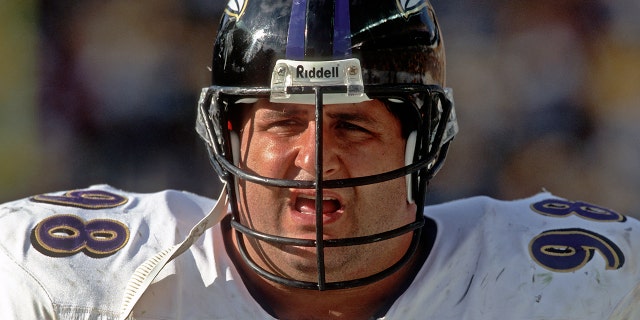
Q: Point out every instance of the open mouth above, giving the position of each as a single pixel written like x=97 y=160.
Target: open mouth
x=307 y=204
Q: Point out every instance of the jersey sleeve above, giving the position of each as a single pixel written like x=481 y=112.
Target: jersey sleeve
x=69 y=255
x=542 y=257
x=21 y=296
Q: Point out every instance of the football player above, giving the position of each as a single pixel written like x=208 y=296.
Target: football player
x=325 y=120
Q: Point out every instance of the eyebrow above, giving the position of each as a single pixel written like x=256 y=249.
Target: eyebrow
x=351 y=116
x=287 y=111
x=273 y=113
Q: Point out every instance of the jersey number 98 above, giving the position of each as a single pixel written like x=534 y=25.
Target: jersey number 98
x=65 y=234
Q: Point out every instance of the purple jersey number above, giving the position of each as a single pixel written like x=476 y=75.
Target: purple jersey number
x=563 y=208
x=86 y=199
x=566 y=250
x=65 y=234
x=68 y=234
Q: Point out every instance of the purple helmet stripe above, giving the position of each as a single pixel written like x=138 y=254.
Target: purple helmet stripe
x=342 y=30
x=301 y=30
x=297 y=30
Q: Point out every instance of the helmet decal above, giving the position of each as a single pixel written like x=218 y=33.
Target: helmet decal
x=302 y=29
x=410 y=7
x=342 y=30
x=235 y=8
x=297 y=30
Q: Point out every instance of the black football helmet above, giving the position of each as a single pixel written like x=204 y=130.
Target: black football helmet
x=322 y=52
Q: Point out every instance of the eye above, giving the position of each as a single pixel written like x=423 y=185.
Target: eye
x=350 y=132
x=283 y=123
x=345 y=125
x=286 y=126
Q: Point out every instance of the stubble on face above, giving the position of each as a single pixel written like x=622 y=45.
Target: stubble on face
x=367 y=209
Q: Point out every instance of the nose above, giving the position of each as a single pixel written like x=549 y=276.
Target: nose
x=306 y=156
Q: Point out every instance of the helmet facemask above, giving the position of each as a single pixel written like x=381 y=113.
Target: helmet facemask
x=322 y=53
x=426 y=149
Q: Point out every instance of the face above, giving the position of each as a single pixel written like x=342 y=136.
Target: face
x=278 y=140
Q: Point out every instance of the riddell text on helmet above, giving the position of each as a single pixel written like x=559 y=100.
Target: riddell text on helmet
x=320 y=73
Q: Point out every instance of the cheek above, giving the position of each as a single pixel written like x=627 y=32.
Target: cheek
x=258 y=205
x=383 y=207
x=392 y=158
x=373 y=160
x=262 y=157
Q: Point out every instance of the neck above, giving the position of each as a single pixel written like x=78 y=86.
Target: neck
x=364 y=302
x=355 y=303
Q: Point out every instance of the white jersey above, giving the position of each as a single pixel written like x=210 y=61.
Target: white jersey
x=70 y=256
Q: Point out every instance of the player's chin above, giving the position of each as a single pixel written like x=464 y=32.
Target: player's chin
x=306 y=258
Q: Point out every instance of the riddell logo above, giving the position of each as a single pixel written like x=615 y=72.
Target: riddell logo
x=316 y=73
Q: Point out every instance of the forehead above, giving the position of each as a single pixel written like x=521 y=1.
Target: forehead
x=374 y=109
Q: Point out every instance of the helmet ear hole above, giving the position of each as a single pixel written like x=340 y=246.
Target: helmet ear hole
x=234 y=140
x=408 y=159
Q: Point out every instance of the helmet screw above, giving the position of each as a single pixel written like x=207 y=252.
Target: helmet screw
x=281 y=71
x=352 y=70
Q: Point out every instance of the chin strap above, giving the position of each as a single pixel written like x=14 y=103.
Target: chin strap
x=147 y=272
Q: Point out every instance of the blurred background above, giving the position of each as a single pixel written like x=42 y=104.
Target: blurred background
x=547 y=95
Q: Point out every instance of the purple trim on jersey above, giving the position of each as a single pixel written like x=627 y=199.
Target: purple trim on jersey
x=297 y=30
x=342 y=30
x=86 y=199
